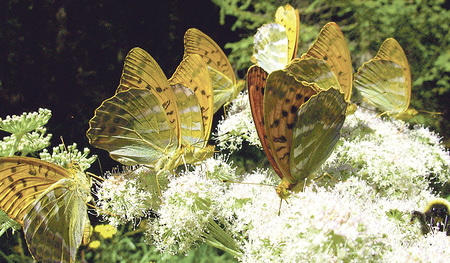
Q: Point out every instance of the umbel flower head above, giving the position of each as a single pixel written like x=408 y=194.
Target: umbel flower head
x=380 y=172
x=26 y=122
x=65 y=156
x=27 y=133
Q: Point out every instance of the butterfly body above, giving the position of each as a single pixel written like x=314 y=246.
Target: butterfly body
x=50 y=203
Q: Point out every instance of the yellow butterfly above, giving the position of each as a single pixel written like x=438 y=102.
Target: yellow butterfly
x=50 y=202
x=275 y=44
x=154 y=121
x=222 y=75
x=385 y=80
x=331 y=47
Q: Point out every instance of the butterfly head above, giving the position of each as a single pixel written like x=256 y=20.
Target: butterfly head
x=286 y=187
x=240 y=85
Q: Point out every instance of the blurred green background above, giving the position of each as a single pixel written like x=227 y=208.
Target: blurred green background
x=67 y=56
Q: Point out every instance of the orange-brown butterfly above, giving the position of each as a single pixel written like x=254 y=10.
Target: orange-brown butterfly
x=224 y=83
x=50 y=202
x=154 y=121
x=385 y=80
x=298 y=123
x=275 y=44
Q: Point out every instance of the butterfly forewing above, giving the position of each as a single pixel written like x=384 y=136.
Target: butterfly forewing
x=54 y=226
x=141 y=71
x=193 y=74
x=222 y=76
x=282 y=98
x=22 y=180
x=271 y=47
x=313 y=70
x=289 y=18
x=197 y=42
x=316 y=132
x=391 y=50
x=332 y=47
x=134 y=128
x=256 y=82
x=382 y=83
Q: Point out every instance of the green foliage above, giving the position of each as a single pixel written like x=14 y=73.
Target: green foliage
x=421 y=27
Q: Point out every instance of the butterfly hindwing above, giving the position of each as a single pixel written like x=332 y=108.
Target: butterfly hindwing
x=134 y=128
x=54 y=203
x=313 y=70
x=283 y=96
x=382 y=83
x=54 y=226
x=271 y=47
x=316 y=131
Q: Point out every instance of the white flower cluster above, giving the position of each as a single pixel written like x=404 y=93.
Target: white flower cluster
x=27 y=133
x=128 y=195
x=237 y=126
x=395 y=159
x=26 y=122
x=64 y=157
x=379 y=173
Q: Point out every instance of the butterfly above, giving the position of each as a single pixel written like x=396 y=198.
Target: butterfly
x=385 y=80
x=154 y=121
x=225 y=86
x=50 y=202
x=331 y=47
x=297 y=122
x=275 y=44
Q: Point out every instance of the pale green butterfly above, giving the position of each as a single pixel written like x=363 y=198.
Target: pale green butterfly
x=50 y=202
x=385 y=80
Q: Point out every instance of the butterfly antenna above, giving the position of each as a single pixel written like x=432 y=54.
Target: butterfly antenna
x=100 y=165
x=431 y=112
x=95 y=176
x=234 y=182
x=65 y=148
x=279 y=208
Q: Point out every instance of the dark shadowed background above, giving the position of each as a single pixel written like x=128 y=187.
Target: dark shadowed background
x=67 y=56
